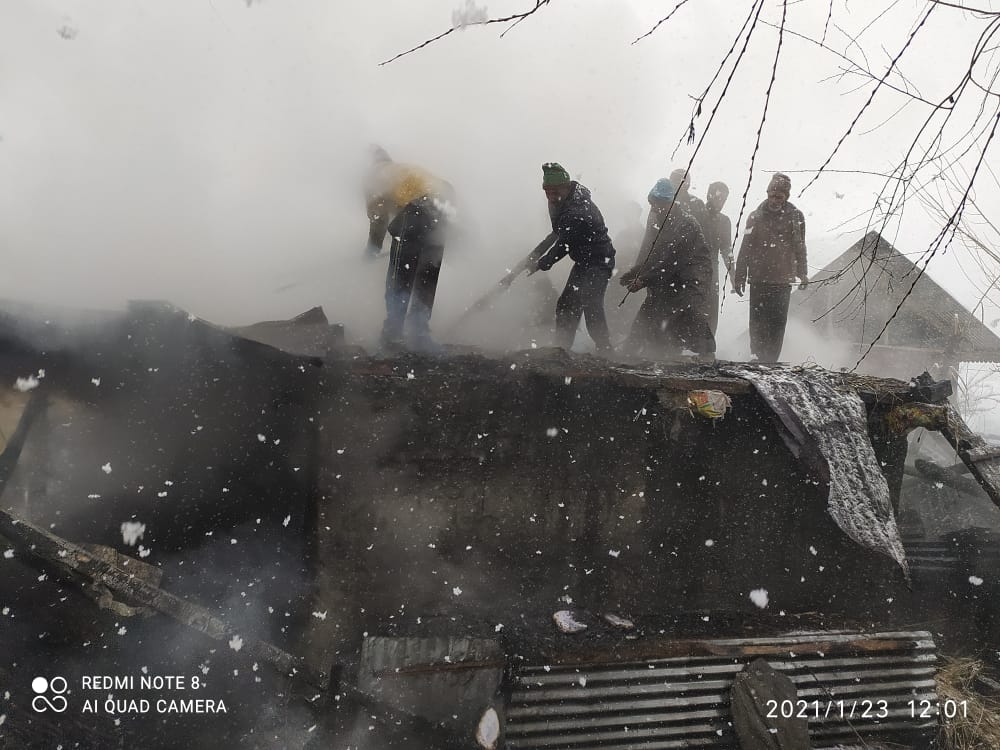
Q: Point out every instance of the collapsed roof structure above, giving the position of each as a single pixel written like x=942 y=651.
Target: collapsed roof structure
x=537 y=549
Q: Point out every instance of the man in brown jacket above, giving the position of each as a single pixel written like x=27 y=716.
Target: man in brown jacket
x=772 y=255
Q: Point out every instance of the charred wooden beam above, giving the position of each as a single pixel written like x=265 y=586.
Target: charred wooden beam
x=75 y=564
x=902 y=419
x=37 y=403
x=830 y=645
x=982 y=458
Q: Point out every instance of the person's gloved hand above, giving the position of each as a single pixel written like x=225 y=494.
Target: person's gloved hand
x=628 y=277
x=804 y=282
x=636 y=284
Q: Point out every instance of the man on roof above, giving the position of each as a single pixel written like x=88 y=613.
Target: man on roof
x=772 y=255
x=578 y=230
x=413 y=207
x=674 y=266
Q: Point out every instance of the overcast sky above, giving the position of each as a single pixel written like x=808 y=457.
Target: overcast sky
x=208 y=151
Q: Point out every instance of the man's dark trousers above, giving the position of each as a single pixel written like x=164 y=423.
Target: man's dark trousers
x=583 y=295
x=412 y=276
x=673 y=317
x=768 y=315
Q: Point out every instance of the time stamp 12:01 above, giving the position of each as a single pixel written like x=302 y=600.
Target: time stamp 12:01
x=865 y=709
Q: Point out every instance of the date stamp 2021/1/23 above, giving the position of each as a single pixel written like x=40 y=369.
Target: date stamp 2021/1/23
x=862 y=709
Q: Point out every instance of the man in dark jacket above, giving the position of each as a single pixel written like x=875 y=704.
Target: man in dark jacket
x=772 y=255
x=719 y=235
x=412 y=206
x=674 y=266
x=578 y=230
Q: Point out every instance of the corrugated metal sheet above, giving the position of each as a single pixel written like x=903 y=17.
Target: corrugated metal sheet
x=683 y=702
x=931 y=559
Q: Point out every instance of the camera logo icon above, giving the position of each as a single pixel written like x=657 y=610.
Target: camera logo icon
x=42 y=702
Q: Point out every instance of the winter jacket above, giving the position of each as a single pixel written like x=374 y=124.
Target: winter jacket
x=696 y=207
x=719 y=234
x=773 y=250
x=391 y=187
x=678 y=253
x=578 y=230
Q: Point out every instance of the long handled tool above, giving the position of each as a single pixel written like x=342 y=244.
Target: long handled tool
x=483 y=302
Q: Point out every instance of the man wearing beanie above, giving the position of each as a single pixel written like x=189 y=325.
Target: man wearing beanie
x=719 y=234
x=674 y=266
x=413 y=206
x=772 y=255
x=578 y=230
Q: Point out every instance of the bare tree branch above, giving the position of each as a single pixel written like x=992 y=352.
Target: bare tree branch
x=515 y=18
x=871 y=97
x=855 y=67
x=661 y=21
x=763 y=119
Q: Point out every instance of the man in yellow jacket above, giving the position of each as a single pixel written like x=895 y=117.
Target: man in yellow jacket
x=413 y=206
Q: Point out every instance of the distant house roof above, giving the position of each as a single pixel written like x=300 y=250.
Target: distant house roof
x=865 y=285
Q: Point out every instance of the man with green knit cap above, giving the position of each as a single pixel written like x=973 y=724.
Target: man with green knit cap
x=578 y=230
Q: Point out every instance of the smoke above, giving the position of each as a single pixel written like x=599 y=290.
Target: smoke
x=220 y=168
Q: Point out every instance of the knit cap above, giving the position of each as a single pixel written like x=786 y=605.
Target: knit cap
x=663 y=190
x=781 y=182
x=554 y=174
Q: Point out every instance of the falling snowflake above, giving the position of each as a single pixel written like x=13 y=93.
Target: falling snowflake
x=286 y=521
x=469 y=14
x=614 y=552
x=106 y=468
x=567 y=623
x=975 y=580
x=488 y=729
x=456 y=591
x=26 y=384
x=132 y=532
x=320 y=615
x=759 y=597
x=235 y=643
x=619 y=622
